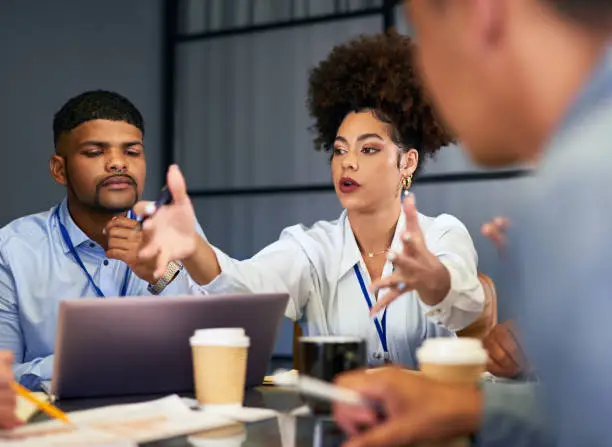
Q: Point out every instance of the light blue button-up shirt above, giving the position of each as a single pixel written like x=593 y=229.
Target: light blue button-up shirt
x=37 y=271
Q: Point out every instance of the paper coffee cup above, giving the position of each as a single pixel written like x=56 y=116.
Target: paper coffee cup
x=219 y=367
x=452 y=360
x=456 y=360
x=230 y=436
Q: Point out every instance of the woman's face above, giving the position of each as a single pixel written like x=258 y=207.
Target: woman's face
x=365 y=167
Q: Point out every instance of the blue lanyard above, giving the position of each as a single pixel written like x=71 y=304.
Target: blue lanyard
x=77 y=258
x=381 y=327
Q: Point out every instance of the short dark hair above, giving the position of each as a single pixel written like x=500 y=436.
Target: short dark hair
x=93 y=105
x=594 y=13
x=375 y=73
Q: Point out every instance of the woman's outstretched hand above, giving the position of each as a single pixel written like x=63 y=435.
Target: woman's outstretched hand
x=416 y=268
x=169 y=234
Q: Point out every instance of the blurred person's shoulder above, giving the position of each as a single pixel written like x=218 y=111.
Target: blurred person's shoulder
x=582 y=153
x=583 y=144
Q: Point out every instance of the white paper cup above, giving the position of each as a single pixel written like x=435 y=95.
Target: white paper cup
x=456 y=360
x=452 y=360
x=219 y=367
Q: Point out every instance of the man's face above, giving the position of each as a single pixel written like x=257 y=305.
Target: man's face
x=462 y=56
x=103 y=165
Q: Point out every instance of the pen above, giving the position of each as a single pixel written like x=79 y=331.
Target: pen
x=318 y=388
x=164 y=198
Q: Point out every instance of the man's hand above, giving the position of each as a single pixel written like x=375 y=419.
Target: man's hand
x=495 y=230
x=124 y=242
x=170 y=234
x=416 y=268
x=8 y=419
x=416 y=409
x=506 y=358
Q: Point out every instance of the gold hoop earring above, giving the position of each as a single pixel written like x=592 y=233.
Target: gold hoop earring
x=407 y=183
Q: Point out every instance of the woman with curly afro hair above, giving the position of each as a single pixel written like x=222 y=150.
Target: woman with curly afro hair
x=371 y=114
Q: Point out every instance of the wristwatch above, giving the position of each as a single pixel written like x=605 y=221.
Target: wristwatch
x=172 y=272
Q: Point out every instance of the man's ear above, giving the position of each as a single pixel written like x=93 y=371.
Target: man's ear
x=57 y=167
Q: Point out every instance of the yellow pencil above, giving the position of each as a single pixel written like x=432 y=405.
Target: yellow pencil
x=48 y=408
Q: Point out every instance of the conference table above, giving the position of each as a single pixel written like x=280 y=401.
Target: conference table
x=309 y=431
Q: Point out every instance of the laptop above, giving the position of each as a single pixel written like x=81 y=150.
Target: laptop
x=140 y=345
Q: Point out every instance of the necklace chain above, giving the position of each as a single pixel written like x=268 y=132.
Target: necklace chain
x=371 y=254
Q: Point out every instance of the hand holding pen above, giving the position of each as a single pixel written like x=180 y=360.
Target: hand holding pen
x=168 y=224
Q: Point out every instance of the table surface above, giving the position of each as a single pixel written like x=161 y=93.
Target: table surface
x=309 y=431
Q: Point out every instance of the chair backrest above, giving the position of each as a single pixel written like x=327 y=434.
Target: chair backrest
x=478 y=329
x=488 y=318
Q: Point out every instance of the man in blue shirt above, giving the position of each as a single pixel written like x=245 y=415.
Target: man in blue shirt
x=527 y=82
x=87 y=246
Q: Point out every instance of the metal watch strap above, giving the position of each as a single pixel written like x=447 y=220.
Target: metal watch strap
x=172 y=272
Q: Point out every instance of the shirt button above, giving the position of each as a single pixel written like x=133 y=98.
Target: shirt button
x=92 y=245
x=106 y=262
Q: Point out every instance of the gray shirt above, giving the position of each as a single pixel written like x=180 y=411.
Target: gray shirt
x=562 y=253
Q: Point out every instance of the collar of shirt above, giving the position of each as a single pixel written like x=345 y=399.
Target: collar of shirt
x=77 y=236
x=596 y=90
x=351 y=254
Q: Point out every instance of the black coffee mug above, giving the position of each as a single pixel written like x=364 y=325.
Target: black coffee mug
x=325 y=357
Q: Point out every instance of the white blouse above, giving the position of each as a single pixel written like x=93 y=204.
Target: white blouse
x=315 y=266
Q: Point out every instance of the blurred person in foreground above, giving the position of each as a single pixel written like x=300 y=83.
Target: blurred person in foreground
x=523 y=81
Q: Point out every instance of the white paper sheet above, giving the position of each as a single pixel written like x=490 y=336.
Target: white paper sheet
x=242 y=414
x=117 y=425
x=25 y=409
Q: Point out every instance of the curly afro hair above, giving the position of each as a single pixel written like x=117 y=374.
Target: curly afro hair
x=374 y=73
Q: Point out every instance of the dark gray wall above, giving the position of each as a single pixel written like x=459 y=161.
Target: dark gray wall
x=52 y=50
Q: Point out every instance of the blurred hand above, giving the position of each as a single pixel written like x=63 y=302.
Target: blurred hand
x=506 y=358
x=416 y=268
x=496 y=230
x=416 y=409
x=8 y=419
x=170 y=234
x=124 y=240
